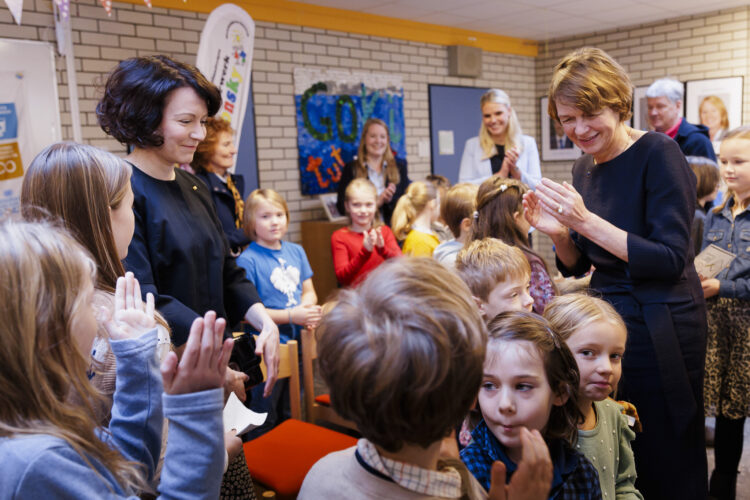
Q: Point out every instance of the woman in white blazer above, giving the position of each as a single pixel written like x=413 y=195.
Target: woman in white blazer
x=501 y=148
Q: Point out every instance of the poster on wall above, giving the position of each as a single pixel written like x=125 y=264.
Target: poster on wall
x=332 y=106
x=715 y=103
x=225 y=57
x=11 y=167
x=29 y=113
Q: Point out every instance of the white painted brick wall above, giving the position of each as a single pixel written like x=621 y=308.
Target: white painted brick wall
x=706 y=46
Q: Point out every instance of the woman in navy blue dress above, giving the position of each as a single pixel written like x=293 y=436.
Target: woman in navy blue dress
x=629 y=213
x=178 y=252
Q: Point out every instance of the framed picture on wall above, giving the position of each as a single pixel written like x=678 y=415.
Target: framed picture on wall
x=328 y=201
x=640 y=108
x=704 y=100
x=555 y=144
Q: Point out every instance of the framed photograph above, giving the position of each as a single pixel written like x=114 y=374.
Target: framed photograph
x=640 y=109
x=555 y=144
x=718 y=93
x=328 y=201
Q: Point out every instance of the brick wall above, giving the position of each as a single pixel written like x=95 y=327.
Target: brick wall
x=100 y=42
x=693 y=47
x=713 y=45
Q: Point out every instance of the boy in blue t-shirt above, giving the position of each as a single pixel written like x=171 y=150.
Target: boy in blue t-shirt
x=282 y=275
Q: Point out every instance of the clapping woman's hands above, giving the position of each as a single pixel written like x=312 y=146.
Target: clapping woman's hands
x=130 y=318
x=563 y=202
x=539 y=217
x=203 y=363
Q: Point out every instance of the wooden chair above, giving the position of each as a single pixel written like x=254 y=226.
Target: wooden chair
x=281 y=458
x=317 y=407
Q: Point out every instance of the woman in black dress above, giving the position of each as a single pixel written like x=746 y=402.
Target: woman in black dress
x=628 y=213
x=178 y=252
x=211 y=162
x=375 y=161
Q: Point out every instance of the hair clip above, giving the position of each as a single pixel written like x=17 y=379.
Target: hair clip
x=554 y=337
x=503 y=187
x=476 y=215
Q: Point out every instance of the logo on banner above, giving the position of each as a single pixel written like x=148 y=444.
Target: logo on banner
x=10 y=161
x=225 y=57
x=8 y=121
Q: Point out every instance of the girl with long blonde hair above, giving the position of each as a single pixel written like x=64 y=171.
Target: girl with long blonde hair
x=51 y=445
x=412 y=220
x=375 y=161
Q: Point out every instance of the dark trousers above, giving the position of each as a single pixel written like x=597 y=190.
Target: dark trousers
x=663 y=377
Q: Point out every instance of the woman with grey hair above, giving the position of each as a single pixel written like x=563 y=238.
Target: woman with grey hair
x=500 y=149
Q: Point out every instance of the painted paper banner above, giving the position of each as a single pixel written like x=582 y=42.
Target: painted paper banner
x=16 y=9
x=11 y=167
x=332 y=107
x=225 y=57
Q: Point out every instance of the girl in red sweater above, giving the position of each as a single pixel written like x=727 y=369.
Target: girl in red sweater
x=366 y=242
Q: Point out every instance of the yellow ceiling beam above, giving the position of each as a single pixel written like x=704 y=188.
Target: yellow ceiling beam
x=314 y=16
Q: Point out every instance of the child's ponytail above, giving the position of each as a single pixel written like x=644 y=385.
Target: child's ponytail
x=410 y=205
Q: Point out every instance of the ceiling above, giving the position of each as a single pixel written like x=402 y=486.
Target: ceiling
x=532 y=19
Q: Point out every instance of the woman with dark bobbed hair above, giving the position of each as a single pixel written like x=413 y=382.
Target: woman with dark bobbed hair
x=159 y=106
x=211 y=162
x=628 y=213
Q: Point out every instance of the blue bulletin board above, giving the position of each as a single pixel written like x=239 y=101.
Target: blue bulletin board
x=455 y=110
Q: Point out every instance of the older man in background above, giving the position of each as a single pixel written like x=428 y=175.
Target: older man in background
x=665 y=98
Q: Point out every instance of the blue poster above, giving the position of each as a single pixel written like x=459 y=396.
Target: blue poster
x=330 y=116
x=8 y=121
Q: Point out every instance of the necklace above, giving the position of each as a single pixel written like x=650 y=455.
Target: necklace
x=628 y=143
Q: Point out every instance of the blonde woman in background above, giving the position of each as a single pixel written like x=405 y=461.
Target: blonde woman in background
x=714 y=115
x=501 y=148
x=375 y=161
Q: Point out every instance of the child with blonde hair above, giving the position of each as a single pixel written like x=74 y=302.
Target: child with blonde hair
x=281 y=273
x=596 y=335
x=456 y=210
x=727 y=376
x=500 y=214
x=52 y=446
x=413 y=217
x=58 y=178
x=530 y=382
x=402 y=355
x=366 y=243
x=497 y=275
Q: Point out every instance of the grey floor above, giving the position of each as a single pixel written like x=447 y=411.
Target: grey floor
x=743 y=480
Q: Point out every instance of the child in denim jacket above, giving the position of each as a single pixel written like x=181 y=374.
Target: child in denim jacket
x=728 y=352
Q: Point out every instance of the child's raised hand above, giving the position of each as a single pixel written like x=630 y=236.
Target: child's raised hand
x=369 y=240
x=379 y=241
x=533 y=478
x=130 y=318
x=204 y=361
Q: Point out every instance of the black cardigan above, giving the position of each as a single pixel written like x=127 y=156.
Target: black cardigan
x=180 y=254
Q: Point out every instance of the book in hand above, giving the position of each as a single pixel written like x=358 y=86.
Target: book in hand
x=238 y=417
x=712 y=260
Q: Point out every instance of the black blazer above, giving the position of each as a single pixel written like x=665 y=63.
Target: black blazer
x=386 y=211
x=224 y=202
